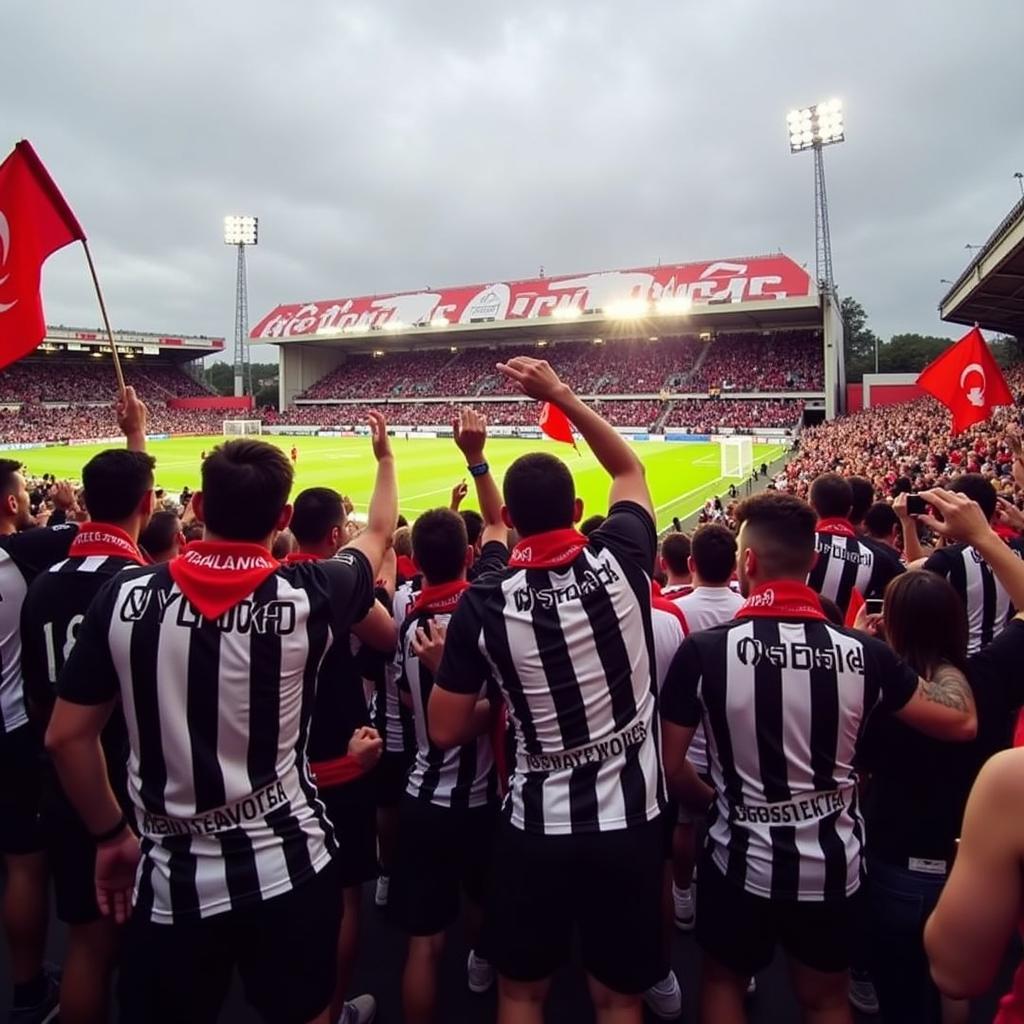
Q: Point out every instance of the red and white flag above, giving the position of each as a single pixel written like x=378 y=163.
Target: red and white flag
x=35 y=221
x=967 y=380
x=556 y=424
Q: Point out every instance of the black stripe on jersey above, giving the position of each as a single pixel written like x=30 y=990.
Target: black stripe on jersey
x=715 y=697
x=816 y=577
x=264 y=697
x=570 y=712
x=988 y=605
x=958 y=576
x=640 y=584
x=240 y=873
x=143 y=650
x=144 y=896
x=768 y=714
x=823 y=740
x=203 y=710
x=181 y=870
x=848 y=577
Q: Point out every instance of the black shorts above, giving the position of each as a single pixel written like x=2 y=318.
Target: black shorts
x=442 y=853
x=391 y=775
x=606 y=885
x=352 y=810
x=21 y=772
x=284 y=950
x=71 y=852
x=741 y=930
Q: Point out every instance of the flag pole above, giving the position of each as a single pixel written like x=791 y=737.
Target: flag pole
x=106 y=319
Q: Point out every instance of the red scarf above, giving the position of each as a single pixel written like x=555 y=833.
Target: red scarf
x=782 y=599
x=406 y=568
x=300 y=556
x=441 y=599
x=215 y=576
x=104 y=541
x=837 y=526
x=548 y=550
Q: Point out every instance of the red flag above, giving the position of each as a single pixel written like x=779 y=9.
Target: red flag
x=854 y=607
x=966 y=379
x=556 y=424
x=35 y=222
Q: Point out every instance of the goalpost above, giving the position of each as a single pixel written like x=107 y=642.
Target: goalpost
x=242 y=428
x=737 y=456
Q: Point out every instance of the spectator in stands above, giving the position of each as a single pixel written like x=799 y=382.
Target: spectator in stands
x=882 y=525
x=674 y=561
x=162 y=539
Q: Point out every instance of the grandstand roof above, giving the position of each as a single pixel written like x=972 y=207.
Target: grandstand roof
x=990 y=291
x=742 y=294
x=179 y=347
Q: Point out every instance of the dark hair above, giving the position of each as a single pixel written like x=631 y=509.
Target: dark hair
x=863 y=491
x=832 y=611
x=831 y=496
x=780 y=530
x=675 y=549
x=8 y=467
x=315 y=512
x=714 y=553
x=245 y=488
x=539 y=493
x=925 y=622
x=439 y=545
x=160 y=533
x=115 y=481
x=474 y=524
x=979 y=490
x=402 y=521
x=881 y=519
x=591 y=523
x=903 y=485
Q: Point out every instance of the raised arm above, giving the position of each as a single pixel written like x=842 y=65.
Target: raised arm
x=132 y=417
x=382 y=516
x=912 y=549
x=963 y=520
x=470 y=431
x=536 y=378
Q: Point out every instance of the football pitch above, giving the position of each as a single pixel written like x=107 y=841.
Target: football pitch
x=682 y=476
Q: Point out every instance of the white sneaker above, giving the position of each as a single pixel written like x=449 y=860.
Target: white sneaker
x=380 y=896
x=479 y=973
x=361 y=1010
x=862 y=994
x=665 y=1000
x=684 y=908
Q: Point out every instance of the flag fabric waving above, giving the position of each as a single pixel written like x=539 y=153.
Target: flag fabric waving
x=556 y=424
x=35 y=221
x=966 y=379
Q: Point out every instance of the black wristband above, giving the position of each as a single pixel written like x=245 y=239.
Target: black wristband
x=480 y=469
x=111 y=833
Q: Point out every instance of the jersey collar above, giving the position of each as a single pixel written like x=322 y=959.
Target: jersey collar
x=103 y=540
x=837 y=526
x=440 y=599
x=549 y=550
x=782 y=599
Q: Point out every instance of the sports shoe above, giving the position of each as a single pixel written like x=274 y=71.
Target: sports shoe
x=380 y=896
x=665 y=1000
x=479 y=973
x=47 y=1008
x=862 y=994
x=360 y=1010
x=684 y=908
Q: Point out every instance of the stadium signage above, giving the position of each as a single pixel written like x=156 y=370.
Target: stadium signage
x=632 y=292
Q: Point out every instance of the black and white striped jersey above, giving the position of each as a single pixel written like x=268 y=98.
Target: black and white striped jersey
x=847 y=563
x=391 y=718
x=985 y=599
x=22 y=557
x=463 y=776
x=566 y=632
x=218 y=710
x=783 y=699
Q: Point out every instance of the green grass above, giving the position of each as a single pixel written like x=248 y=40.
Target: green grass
x=681 y=476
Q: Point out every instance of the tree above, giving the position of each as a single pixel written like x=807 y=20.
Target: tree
x=221 y=377
x=859 y=340
x=910 y=353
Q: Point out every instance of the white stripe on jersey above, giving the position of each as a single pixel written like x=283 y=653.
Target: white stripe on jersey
x=12 y=690
x=993 y=607
x=393 y=719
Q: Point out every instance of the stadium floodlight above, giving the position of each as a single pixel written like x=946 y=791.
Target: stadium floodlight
x=814 y=128
x=627 y=309
x=440 y=321
x=567 y=312
x=241 y=230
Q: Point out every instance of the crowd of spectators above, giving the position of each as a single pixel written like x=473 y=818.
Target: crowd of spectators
x=707 y=416
x=33 y=423
x=57 y=379
x=762 y=362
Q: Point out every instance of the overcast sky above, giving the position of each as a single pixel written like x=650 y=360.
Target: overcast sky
x=396 y=144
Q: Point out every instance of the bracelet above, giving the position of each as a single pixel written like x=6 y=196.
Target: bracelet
x=480 y=469
x=111 y=833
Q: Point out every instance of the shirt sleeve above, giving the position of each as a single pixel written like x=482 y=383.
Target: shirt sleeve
x=629 y=533
x=463 y=667
x=351 y=586
x=680 y=703
x=938 y=562
x=38 y=688
x=894 y=678
x=89 y=675
x=36 y=550
x=493 y=558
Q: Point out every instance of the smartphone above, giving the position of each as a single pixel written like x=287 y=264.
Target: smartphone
x=916 y=505
x=874 y=605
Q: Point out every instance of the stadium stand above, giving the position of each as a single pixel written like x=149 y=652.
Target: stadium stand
x=53 y=380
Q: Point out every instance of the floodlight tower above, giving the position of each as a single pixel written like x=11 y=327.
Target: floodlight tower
x=240 y=232
x=814 y=128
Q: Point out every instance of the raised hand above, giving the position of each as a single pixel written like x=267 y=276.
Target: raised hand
x=132 y=415
x=962 y=518
x=470 y=431
x=430 y=649
x=379 y=436
x=63 y=495
x=534 y=377
x=459 y=492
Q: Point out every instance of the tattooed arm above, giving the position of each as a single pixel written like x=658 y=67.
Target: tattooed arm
x=942 y=706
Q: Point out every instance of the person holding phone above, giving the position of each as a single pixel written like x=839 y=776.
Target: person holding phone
x=917 y=786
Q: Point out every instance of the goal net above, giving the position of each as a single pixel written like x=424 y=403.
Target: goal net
x=737 y=457
x=242 y=428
